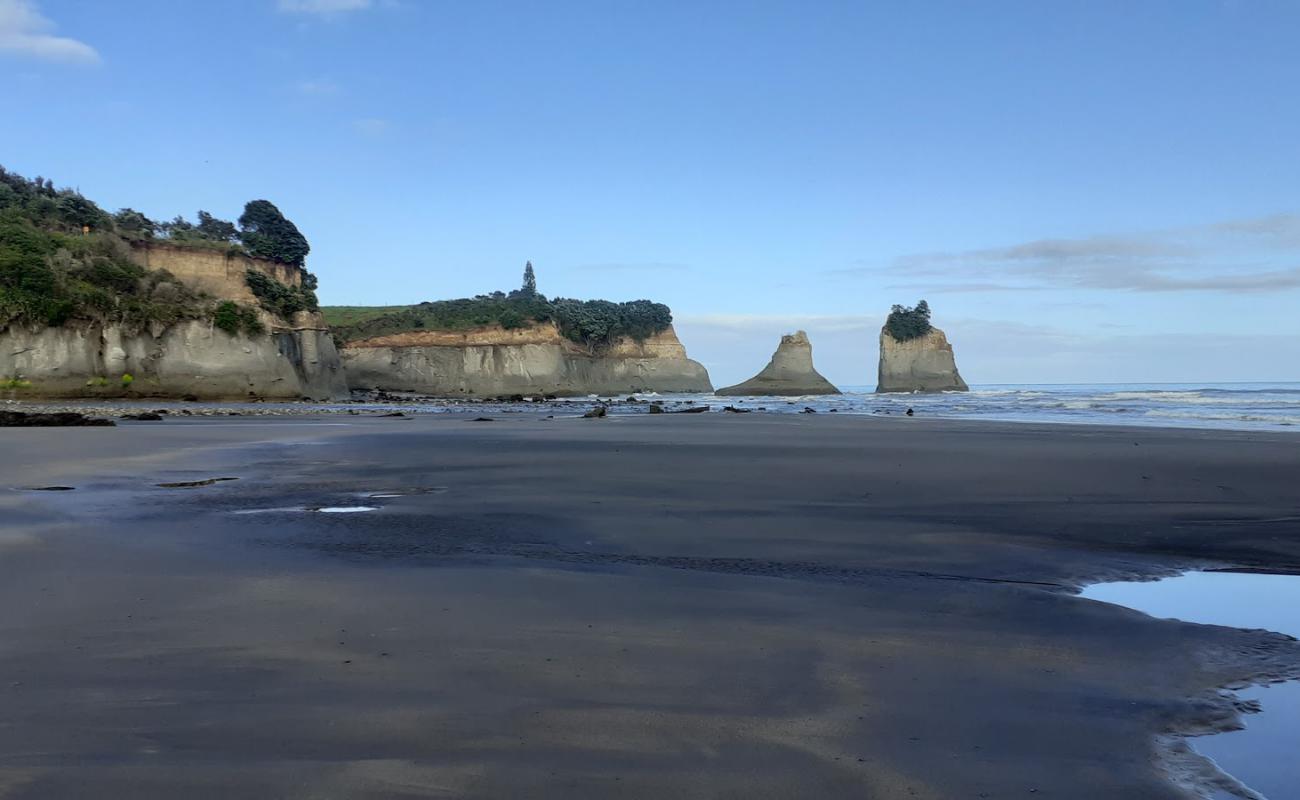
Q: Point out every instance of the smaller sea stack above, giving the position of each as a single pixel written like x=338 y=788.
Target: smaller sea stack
x=789 y=373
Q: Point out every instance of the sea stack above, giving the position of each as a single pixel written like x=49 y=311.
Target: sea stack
x=790 y=372
x=915 y=356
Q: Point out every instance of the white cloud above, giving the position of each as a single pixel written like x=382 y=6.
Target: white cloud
x=1250 y=255
x=24 y=31
x=323 y=7
x=371 y=127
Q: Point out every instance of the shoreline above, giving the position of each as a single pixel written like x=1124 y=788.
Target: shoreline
x=949 y=573
x=573 y=406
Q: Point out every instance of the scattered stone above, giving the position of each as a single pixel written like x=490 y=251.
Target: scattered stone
x=656 y=409
x=691 y=410
x=735 y=410
x=482 y=419
x=393 y=414
x=596 y=413
x=144 y=416
x=808 y=410
x=19 y=419
x=194 y=484
x=911 y=413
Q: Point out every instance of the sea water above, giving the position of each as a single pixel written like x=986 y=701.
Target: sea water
x=1234 y=406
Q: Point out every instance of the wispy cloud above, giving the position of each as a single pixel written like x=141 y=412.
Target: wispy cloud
x=371 y=126
x=317 y=88
x=1250 y=255
x=324 y=8
x=24 y=31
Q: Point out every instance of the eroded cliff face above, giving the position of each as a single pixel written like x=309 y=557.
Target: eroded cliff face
x=188 y=358
x=490 y=362
x=219 y=273
x=923 y=364
x=789 y=373
x=294 y=359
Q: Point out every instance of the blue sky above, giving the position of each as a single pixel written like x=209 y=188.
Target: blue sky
x=1099 y=191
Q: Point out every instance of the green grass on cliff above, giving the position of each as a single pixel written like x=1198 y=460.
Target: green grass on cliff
x=343 y=316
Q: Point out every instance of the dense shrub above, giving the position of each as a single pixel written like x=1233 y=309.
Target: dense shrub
x=234 y=318
x=909 y=323
x=592 y=323
x=64 y=258
x=263 y=231
x=279 y=299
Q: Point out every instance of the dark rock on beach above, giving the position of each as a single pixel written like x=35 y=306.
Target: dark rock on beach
x=64 y=419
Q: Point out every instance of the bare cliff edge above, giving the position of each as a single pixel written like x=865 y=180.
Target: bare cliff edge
x=490 y=362
x=789 y=373
x=923 y=364
x=293 y=359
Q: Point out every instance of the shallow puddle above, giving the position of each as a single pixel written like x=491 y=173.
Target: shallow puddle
x=306 y=509
x=1263 y=756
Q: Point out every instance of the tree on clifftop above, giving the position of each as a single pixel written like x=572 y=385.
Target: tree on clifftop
x=909 y=323
x=530 y=280
x=267 y=234
x=218 y=230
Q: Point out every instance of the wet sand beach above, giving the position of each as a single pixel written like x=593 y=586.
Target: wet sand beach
x=637 y=606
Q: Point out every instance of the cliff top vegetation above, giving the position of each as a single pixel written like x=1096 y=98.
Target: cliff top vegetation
x=62 y=257
x=591 y=323
x=909 y=323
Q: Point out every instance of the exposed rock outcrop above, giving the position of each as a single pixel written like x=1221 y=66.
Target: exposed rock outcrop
x=219 y=273
x=293 y=359
x=63 y=419
x=490 y=362
x=187 y=358
x=923 y=364
x=789 y=373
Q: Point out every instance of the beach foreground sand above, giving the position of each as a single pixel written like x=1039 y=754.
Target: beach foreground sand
x=654 y=606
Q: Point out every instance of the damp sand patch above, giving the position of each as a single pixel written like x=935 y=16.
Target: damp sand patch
x=193 y=484
x=414 y=492
x=306 y=510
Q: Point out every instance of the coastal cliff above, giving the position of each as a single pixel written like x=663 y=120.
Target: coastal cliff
x=493 y=361
x=94 y=304
x=188 y=358
x=274 y=358
x=789 y=373
x=921 y=364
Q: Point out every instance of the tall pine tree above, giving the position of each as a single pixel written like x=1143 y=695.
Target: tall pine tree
x=530 y=281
